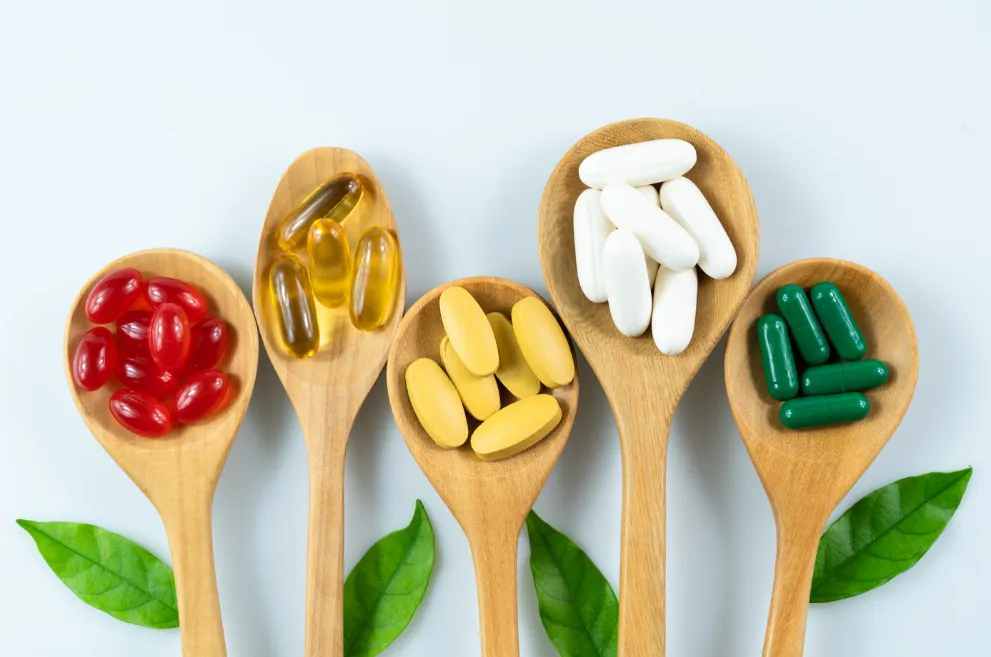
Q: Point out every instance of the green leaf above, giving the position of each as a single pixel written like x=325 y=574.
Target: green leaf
x=578 y=608
x=385 y=588
x=885 y=534
x=109 y=572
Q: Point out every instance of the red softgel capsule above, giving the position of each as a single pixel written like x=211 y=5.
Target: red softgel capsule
x=203 y=394
x=209 y=342
x=140 y=413
x=113 y=295
x=170 y=290
x=140 y=372
x=169 y=336
x=95 y=358
x=132 y=331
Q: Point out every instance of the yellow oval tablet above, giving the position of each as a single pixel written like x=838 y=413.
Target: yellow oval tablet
x=469 y=331
x=513 y=371
x=520 y=425
x=479 y=394
x=436 y=403
x=543 y=342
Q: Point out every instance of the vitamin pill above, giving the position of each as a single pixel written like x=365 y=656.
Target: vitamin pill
x=479 y=394
x=627 y=285
x=203 y=394
x=806 y=412
x=113 y=295
x=207 y=344
x=844 y=377
x=649 y=192
x=515 y=428
x=140 y=413
x=514 y=372
x=804 y=326
x=294 y=307
x=132 y=331
x=660 y=236
x=169 y=290
x=780 y=373
x=436 y=403
x=469 y=331
x=542 y=342
x=591 y=230
x=673 y=319
x=169 y=336
x=838 y=322
x=95 y=358
x=684 y=202
x=639 y=164
x=140 y=372
x=330 y=262
x=334 y=199
x=374 y=279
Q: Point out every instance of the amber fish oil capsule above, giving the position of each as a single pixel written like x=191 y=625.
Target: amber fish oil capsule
x=780 y=373
x=837 y=320
x=804 y=326
x=333 y=199
x=844 y=377
x=294 y=307
x=330 y=262
x=374 y=279
x=808 y=412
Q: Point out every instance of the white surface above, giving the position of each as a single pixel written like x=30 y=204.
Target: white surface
x=126 y=125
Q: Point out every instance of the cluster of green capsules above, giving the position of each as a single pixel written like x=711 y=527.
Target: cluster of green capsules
x=831 y=392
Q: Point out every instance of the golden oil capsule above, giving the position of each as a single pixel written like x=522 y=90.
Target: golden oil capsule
x=294 y=307
x=374 y=279
x=330 y=262
x=333 y=199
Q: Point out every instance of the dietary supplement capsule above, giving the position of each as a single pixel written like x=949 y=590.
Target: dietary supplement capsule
x=203 y=394
x=329 y=258
x=660 y=236
x=804 y=326
x=170 y=290
x=113 y=295
x=139 y=372
x=517 y=427
x=591 y=230
x=95 y=358
x=807 y=412
x=334 y=199
x=780 y=373
x=132 y=331
x=638 y=164
x=169 y=336
x=479 y=394
x=543 y=343
x=513 y=370
x=685 y=203
x=627 y=285
x=838 y=321
x=140 y=413
x=294 y=307
x=436 y=403
x=469 y=331
x=675 y=301
x=374 y=279
x=844 y=377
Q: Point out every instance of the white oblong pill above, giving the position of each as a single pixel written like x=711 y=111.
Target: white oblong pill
x=591 y=229
x=627 y=286
x=650 y=193
x=675 y=302
x=660 y=236
x=645 y=163
x=686 y=204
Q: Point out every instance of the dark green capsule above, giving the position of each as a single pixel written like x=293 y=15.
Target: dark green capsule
x=780 y=373
x=844 y=377
x=807 y=412
x=804 y=326
x=838 y=321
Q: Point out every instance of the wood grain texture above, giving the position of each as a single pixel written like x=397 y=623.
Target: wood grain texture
x=179 y=472
x=642 y=385
x=328 y=389
x=489 y=499
x=807 y=473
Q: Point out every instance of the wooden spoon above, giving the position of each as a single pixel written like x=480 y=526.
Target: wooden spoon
x=807 y=473
x=179 y=472
x=642 y=385
x=328 y=389
x=489 y=499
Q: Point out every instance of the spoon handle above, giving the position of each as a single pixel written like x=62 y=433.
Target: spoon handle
x=187 y=516
x=798 y=541
x=494 y=552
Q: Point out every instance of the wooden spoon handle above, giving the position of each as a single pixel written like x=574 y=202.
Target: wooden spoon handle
x=187 y=518
x=494 y=553
x=798 y=541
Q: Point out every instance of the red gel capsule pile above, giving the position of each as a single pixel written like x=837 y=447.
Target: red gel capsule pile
x=164 y=358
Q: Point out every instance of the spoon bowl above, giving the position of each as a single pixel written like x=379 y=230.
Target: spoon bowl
x=179 y=472
x=327 y=389
x=807 y=473
x=642 y=385
x=490 y=499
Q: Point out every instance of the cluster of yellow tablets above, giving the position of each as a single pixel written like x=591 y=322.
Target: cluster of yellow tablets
x=480 y=351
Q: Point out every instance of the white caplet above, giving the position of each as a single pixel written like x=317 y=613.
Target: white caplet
x=675 y=302
x=660 y=236
x=645 y=163
x=627 y=286
x=591 y=229
x=686 y=204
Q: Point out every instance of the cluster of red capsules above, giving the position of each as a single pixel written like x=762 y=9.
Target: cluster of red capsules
x=163 y=352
